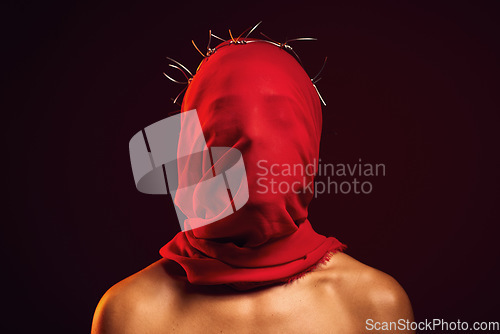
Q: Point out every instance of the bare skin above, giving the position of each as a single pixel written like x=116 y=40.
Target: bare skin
x=337 y=297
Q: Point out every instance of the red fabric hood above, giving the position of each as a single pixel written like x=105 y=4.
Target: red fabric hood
x=255 y=97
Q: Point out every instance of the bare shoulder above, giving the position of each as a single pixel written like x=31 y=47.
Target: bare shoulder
x=136 y=302
x=368 y=292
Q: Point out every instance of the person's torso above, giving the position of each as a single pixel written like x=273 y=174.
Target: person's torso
x=312 y=304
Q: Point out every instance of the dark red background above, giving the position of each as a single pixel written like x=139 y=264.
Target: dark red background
x=412 y=85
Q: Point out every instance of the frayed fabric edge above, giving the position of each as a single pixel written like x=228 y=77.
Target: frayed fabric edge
x=245 y=286
x=327 y=257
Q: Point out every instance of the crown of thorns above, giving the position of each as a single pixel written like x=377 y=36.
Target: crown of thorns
x=239 y=40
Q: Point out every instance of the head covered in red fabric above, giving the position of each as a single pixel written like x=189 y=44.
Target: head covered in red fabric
x=255 y=97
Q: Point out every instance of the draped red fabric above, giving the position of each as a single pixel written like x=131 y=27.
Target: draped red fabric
x=257 y=98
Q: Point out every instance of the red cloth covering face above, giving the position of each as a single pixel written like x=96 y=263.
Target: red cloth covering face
x=257 y=98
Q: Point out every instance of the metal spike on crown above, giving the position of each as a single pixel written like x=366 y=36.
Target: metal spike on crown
x=239 y=40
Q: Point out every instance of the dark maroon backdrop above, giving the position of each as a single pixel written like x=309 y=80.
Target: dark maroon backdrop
x=412 y=85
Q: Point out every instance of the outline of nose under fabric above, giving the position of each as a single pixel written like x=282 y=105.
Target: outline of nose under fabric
x=171 y=157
